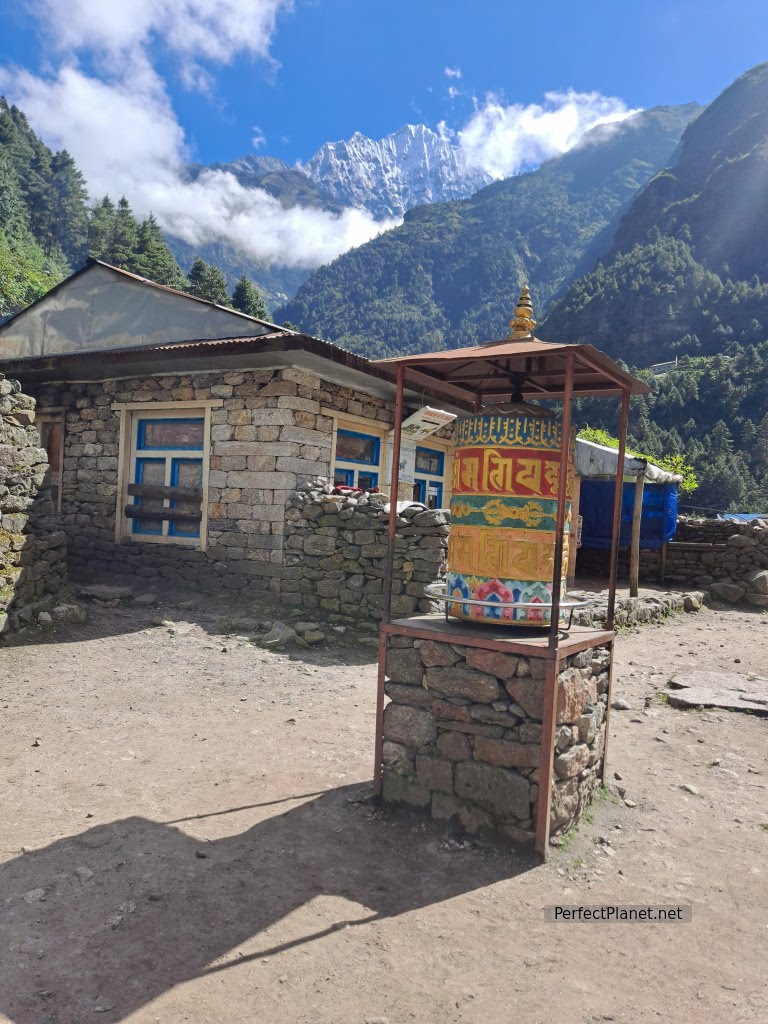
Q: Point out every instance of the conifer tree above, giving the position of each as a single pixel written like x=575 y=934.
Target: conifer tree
x=124 y=237
x=153 y=259
x=101 y=227
x=208 y=282
x=248 y=299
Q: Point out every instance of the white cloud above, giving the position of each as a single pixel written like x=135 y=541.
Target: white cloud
x=126 y=139
x=214 y=30
x=504 y=139
x=453 y=92
x=258 y=139
x=453 y=72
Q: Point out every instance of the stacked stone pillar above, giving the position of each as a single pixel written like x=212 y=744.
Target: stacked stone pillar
x=463 y=727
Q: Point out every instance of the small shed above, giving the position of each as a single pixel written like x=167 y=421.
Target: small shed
x=648 y=506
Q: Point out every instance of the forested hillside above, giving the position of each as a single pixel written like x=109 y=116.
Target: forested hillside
x=451 y=274
x=48 y=228
x=687 y=273
x=713 y=411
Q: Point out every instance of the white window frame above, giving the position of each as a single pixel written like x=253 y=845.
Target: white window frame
x=130 y=414
x=358 y=425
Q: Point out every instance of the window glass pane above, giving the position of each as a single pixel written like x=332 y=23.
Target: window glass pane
x=171 y=433
x=186 y=473
x=150 y=472
x=366 y=480
x=352 y=447
x=429 y=461
x=344 y=477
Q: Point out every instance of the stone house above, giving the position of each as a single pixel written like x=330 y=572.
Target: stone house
x=177 y=430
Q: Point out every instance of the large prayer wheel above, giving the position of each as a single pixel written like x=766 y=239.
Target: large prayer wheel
x=506 y=479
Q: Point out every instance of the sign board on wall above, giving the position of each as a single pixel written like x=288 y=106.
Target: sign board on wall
x=416 y=428
x=425 y=422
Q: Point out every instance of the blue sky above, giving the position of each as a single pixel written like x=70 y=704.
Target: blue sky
x=135 y=90
x=343 y=65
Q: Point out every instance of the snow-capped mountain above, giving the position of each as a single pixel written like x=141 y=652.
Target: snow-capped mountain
x=412 y=166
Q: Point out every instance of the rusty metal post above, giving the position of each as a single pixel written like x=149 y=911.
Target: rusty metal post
x=609 y=698
x=547 y=753
x=565 y=445
x=617 y=496
x=379 y=742
x=390 y=568
x=552 y=664
x=393 y=489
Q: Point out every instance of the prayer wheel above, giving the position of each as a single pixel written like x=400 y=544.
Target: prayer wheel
x=506 y=479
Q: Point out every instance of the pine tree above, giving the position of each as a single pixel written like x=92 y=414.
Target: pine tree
x=248 y=299
x=208 y=282
x=67 y=229
x=101 y=229
x=153 y=259
x=125 y=236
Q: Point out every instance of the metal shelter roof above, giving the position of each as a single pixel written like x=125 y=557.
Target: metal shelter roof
x=598 y=460
x=490 y=373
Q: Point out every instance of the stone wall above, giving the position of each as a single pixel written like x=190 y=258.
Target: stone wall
x=729 y=559
x=33 y=573
x=462 y=735
x=336 y=549
x=268 y=437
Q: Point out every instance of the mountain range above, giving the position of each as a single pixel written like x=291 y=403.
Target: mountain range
x=451 y=274
x=387 y=177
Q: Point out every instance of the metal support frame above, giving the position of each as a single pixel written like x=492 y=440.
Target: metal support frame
x=552 y=652
x=617 y=495
x=552 y=665
x=394 y=487
x=634 y=544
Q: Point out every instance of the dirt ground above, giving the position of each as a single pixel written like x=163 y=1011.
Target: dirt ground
x=182 y=841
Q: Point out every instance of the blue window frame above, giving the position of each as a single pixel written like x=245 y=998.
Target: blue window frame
x=344 y=477
x=176 y=444
x=430 y=461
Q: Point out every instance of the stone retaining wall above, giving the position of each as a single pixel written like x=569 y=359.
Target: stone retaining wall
x=336 y=549
x=462 y=735
x=33 y=573
x=729 y=559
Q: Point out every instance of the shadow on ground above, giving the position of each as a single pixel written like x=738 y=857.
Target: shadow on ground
x=110 y=919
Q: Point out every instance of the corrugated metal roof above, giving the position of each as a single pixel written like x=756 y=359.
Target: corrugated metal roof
x=489 y=371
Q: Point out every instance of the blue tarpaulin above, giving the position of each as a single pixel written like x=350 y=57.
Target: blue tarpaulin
x=657 y=524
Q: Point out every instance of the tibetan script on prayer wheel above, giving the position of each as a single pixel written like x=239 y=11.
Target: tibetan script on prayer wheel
x=506 y=480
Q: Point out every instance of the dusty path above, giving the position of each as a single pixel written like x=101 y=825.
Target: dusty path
x=181 y=845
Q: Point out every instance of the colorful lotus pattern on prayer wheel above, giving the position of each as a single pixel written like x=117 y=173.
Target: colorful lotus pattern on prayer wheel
x=506 y=478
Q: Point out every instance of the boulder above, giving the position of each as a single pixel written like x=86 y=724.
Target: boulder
x=413 y=727
x=106 y=592
x=463 y=682
x=758 y=581
x=72 y=613
x=404 y=665
x=569 y=764
x=503 y=666
x=277 y=636
x=506 y=753
x=501 y=792
x=730 y=592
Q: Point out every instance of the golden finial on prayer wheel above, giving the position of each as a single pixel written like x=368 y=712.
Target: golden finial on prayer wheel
x=522 y=323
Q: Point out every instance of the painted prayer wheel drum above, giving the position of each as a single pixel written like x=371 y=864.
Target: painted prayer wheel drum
x=506 y=478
